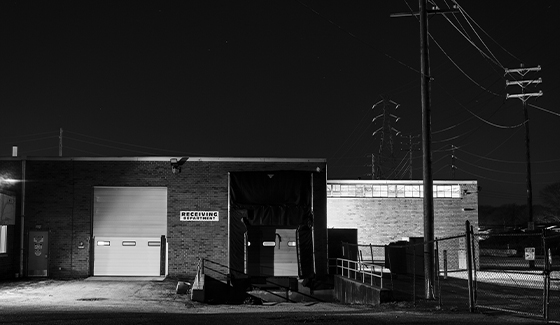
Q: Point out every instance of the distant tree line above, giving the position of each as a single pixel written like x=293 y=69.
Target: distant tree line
x=510 y=216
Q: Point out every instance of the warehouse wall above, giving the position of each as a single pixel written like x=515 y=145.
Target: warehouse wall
x=383 y=220
x=10 y=261
x=59 y=199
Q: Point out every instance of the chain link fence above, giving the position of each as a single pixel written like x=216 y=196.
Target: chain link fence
x=405 y=260
x=515 y=272
x=518 y=273
x=507 y=278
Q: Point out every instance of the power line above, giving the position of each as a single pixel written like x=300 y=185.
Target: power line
x=84 y=151
x=473 y=44
x=489 y=178
x=473 y=99
x=461 y=70
x=482 y=119
x=357 y=38
x=478 y=36
x=507 y=161
x=29 y=135
x=464 y=13
x=544 y=110
x=31 y=140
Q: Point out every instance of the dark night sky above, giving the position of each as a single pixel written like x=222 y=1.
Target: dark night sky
x=281 y=79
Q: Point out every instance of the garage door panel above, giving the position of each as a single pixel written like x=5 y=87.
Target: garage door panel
x=117 y=259
x=137 y=211
x=128 y=223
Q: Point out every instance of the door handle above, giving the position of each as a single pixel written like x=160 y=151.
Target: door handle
x=279 y=240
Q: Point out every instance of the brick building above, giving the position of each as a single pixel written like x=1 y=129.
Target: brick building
x=385 y=211
x=159 y=215
x=84 y=216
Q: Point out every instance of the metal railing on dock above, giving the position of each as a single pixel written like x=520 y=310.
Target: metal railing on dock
x=362 y=271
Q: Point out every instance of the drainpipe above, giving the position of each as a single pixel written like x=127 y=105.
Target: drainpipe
x=22 y=232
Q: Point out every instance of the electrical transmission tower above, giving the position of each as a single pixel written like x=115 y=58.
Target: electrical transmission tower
x=524 y=97
x=383 y=164
x=411 y=147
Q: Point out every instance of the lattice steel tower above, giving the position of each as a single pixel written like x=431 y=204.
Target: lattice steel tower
x=385 y=162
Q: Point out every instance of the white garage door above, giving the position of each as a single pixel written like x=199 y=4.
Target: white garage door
x=128 y=223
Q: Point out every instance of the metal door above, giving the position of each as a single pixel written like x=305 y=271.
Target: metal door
x=38 y=253
x=285 y=253
x=271 y=252
x=260 y=251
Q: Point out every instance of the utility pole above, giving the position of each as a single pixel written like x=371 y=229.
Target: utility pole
x=429 y=258
x=524 y=97
x=453 y=158
x=427 y=155
x=372 y=165
x=60 y=143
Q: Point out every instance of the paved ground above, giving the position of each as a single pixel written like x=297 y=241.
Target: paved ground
x=155 y=302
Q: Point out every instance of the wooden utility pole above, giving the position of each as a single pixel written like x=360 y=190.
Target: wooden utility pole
x=427 y=155
x=372 y=165
x=453 y=158
x=524 y=97
x=60 y=143
x=429 y=258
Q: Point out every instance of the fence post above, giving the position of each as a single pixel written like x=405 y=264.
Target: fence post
x=414 y=275
x=546 y=275
x=469 y=265
x=474 y=266
x=436 y=263
x=445 y=264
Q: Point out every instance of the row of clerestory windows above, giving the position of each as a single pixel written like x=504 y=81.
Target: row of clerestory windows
x=391 y=190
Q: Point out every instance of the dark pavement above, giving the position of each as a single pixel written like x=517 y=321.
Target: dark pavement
x=137 y=301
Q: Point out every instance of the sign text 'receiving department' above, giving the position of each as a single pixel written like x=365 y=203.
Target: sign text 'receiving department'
x=199 y=216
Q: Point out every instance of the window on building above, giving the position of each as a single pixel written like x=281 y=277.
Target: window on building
x=455 y=191
x=391 y=190
x=360 y=191
x=401 y=190
x=336 y=190
x=3 y=239
x=367 y=191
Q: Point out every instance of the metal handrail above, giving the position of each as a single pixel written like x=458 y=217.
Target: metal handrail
x=351 y=269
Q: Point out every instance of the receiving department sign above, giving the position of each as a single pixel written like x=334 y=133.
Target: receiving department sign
x=199 y=216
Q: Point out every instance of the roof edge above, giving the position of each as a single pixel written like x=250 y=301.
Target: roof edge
x=168 y=158
x=397 y=182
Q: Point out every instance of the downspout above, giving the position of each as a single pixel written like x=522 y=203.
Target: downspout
x=22 y=230
x=313 y=227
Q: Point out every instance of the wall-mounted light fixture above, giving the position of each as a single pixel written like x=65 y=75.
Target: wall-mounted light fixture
x=176 y=164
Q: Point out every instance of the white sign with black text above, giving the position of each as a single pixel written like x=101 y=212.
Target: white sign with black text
x=199 y=216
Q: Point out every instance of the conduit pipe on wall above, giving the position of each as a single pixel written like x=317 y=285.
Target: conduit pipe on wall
x=22 y=229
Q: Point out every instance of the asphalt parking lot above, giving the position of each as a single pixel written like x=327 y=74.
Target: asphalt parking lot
x=141 y=301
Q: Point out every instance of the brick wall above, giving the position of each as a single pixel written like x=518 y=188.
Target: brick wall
x=383 y=220
x=10 y=261
x=59 y=199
